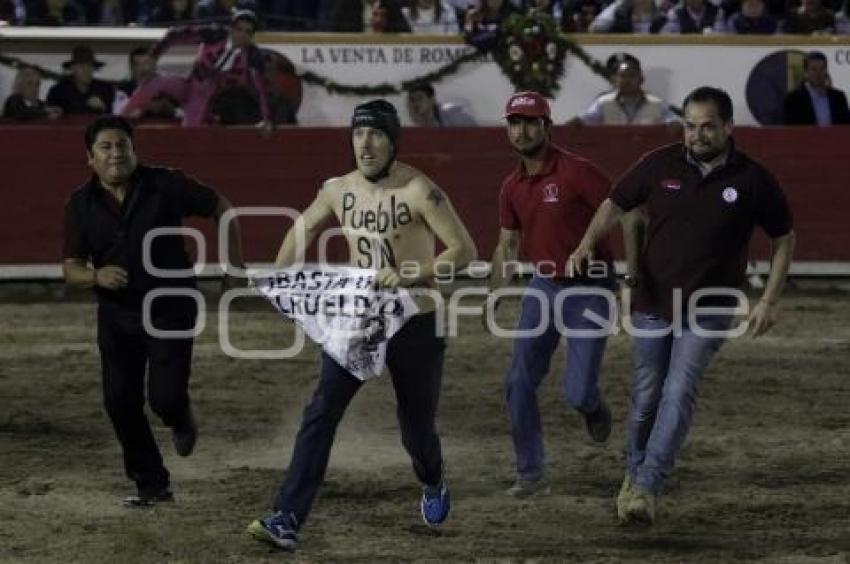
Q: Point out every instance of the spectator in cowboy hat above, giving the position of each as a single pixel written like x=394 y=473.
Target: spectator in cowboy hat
x=80 y=92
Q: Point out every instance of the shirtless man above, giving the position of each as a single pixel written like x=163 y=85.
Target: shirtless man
x=390 y=214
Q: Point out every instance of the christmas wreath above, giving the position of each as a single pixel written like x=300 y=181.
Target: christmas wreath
x=531 y=52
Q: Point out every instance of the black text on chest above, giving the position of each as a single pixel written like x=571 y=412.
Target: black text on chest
x=378 y=220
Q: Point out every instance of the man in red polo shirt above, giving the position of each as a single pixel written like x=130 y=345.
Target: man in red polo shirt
x=546 y=204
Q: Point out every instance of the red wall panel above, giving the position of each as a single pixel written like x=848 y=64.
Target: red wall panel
x=41 y=165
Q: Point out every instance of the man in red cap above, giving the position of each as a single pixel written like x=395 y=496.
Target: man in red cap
x=546 y=204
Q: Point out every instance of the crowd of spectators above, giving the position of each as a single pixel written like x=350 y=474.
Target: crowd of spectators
x=239 y=93
x=233 y=82
x=449 y=16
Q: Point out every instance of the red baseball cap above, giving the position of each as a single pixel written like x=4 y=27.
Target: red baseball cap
x=528 y=104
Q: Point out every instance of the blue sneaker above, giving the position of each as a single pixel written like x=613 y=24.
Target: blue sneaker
x=436 y=502
x=280 y=530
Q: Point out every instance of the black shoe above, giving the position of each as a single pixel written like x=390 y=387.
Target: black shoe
x=185 y=436
x=149 y=500
x=599 y=423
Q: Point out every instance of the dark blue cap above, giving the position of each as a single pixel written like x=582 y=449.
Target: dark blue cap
x=378 y=114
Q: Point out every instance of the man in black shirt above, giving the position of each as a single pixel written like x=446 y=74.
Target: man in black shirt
x=703 y=198
x=108 y=220
x=816 y=102
x=80 y=92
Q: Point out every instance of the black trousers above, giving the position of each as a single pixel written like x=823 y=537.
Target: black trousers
x=126 y=353
x=415 y=360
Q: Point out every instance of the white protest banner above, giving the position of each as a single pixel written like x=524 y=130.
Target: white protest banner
x=340 y=309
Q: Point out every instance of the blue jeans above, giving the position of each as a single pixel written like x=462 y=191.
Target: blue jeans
x=530 y=363
x=665 y=384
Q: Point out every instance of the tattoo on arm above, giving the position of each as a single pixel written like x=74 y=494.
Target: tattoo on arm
x=436 y=196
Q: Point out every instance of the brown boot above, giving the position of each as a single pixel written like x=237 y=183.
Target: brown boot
x=598 y=423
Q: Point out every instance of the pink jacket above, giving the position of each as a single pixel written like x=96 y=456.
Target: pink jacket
x=246 y=69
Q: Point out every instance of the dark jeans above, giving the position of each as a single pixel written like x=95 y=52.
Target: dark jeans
x=415 y=360
x=125 y=351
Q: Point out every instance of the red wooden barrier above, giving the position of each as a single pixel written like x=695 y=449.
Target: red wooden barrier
x=42 y=164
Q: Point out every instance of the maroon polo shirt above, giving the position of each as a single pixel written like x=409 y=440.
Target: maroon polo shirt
x=699 y=227
x=553 y=208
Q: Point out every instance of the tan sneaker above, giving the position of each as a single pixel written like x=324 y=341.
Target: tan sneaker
x=640 y=509
x=623 y=499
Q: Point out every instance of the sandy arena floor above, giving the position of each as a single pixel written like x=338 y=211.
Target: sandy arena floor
x=764 y=475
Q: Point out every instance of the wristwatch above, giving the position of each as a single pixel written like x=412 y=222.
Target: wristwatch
x=630 y=280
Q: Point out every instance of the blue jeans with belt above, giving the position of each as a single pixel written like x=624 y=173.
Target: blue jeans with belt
x=532 y=356
x=668 y=370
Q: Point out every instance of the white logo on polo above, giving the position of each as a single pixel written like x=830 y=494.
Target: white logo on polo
x=550 y=193
x=522 y=101
x=730 y=195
